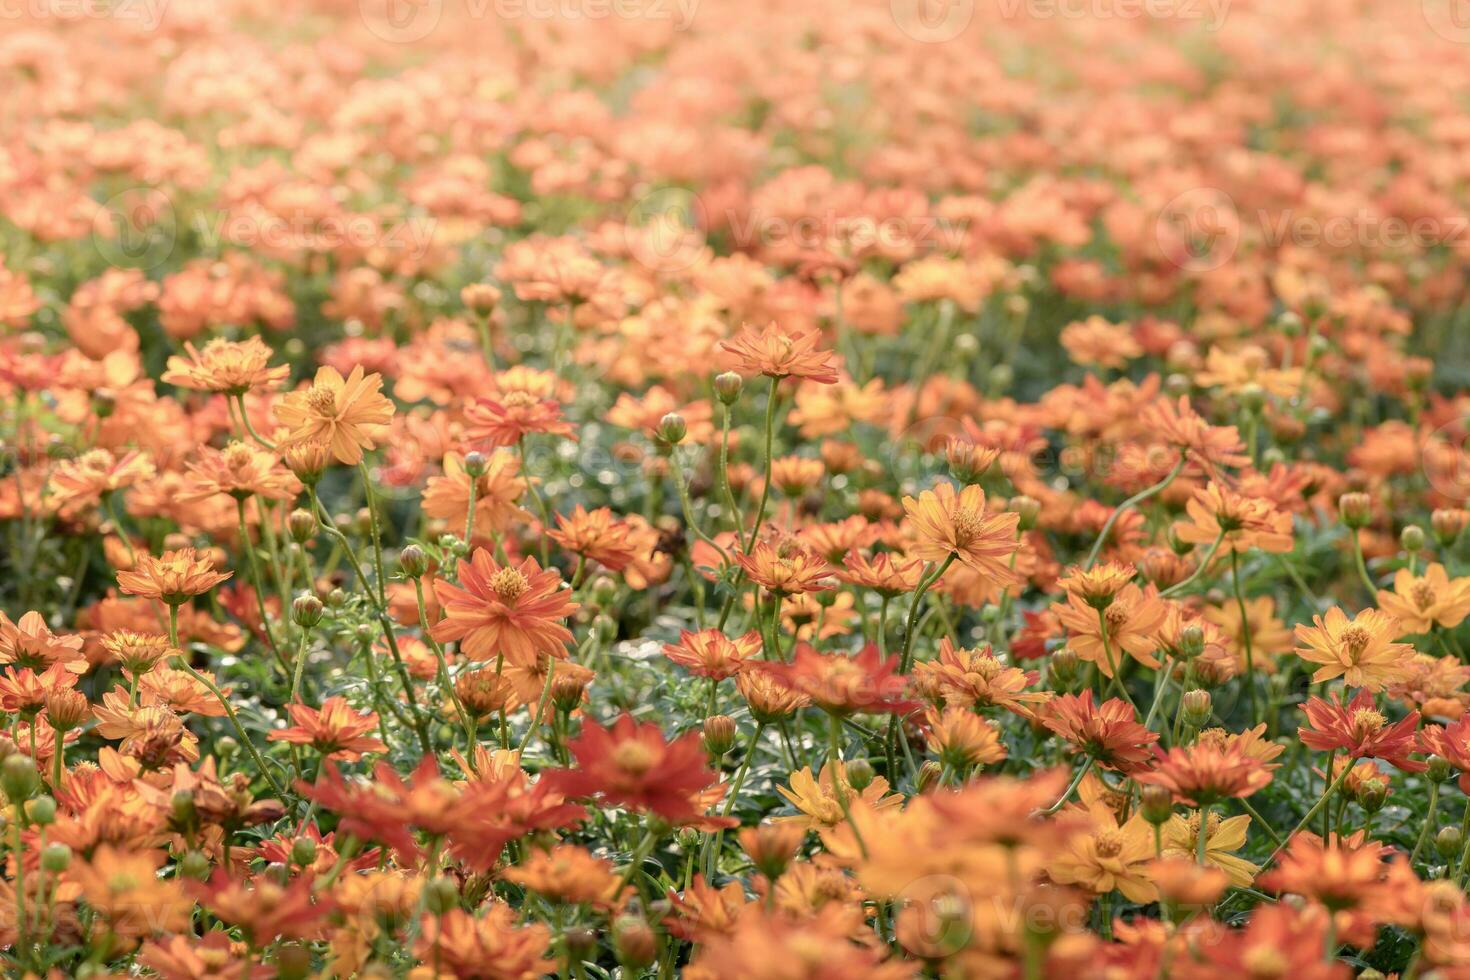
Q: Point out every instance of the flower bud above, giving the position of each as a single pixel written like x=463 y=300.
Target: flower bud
x=1356 y=509
x=480 y=298
x=301 y=524
x=928 y=775
x=1439 y=770
x=440 y=896
x=771 y=846
x=687 y=838
x=1449 y=842
x=1191 y=641
x=18 y=778
x=306 y=610
x=1448 y=524
x=1064 y=666
x=634 y=942
x=1028 y=509
x=56 y=858
x=1197 y=705
x=67 y=709
x=414 y=561
x=41 y=811
x=475 y=464
x=1252 y=397
x=860 y=774
x=1371 y=796
x=719 y=734
x=194 y=865
x=1156 y=804
x=1411 y=539
x=604 y=589
x=567 y=691
x=581 y=942
x=727 y=387
x=303 y=851
x=967 y=461
x=672 y=429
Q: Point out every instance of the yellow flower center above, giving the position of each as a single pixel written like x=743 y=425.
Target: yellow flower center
x=237 y=455
x=1366 y=721
x=634 y=757
x=322 y=400
x=1423 y=595
x=967 y=526
x=518 y=399
x=1356 y=639
x=1109 y=844
x=1264 y=961
x=509 y=584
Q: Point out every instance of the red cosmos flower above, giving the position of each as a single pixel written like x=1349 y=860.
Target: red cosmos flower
x=1106 y=732
x=335 y=730
x=1451 y=743
x=841 y=684
x=389 y=810
x=1361 y=730
x=490 y=423
x=512 y=611
x=632 y=765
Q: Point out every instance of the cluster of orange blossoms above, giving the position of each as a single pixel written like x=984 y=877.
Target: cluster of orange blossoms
x=777 y=491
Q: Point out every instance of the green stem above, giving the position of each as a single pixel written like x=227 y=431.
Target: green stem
x=1129 y=504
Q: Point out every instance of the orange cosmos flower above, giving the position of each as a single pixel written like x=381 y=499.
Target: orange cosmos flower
x=1132 y=621
x=86 y=480
x=1109 y=857
x=514 y=611
x=778 y=354
x=464 y=945
x=447 y=497
x=1452 y=743
x=124 y=889
x=631 y=765
x=815 y=797
x=1207 y=772
x=568 y=873
x=787 y=569
x=977 y=679
x=1105 y=732
x=227 y=367
x=239 y=471
x=505 y=421
x=769 y=699
x=597 y=536
x=348 y=415
x=1358 y=728
x=1421 y=602
x=1340 y=873
x=885 y=573
x=842 y=684
x=948 y=524
x=1277 y=941
x=1180 y=426
x=1361 y=651
x=30 y=643
x=710 y=653
x=173 y=577
x=1246 y=523
x=335 y=730
x=963 y=739
x=1097 y=585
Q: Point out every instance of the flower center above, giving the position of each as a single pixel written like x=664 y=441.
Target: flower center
x=1264 y=961
x=634 y=757
x=323 y=400
x=509 y=584
x=967 y=526
x=1366 y=721
x=1356 y=639
x=1423 y=595
x=1109 y=844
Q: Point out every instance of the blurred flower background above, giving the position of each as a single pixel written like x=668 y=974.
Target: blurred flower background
x=637 y=488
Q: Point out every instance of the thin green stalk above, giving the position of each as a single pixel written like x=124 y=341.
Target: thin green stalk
x=1128 y=505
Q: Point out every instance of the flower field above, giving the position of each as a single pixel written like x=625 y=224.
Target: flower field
x=649 y=488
